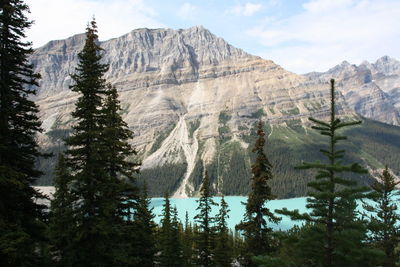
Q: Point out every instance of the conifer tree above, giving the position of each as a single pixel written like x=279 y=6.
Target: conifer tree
x=256 y=232
x=21 y=218
x=144 y=232
x=204 y=240
x=177 y=230
x=121 y=196
x=84 y=157
x=116 y=150
x=187 y=242
x=335 y=236
x=61 y=226
x=170 y=254
x=223 y=249
x=97 y=159
x=384 y=220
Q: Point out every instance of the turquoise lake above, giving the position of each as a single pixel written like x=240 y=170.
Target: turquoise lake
x=236 y=209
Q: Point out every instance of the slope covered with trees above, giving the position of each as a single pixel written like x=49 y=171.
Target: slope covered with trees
x=21 y=218
x=99 y=216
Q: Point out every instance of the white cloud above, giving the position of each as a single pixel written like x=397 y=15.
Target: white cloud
x=187 y=11
x=58 y=19
x=326 y=5
x=327 y=32
x=248 y=9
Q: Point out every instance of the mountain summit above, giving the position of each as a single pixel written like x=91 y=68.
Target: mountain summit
x=371 y=89
x=192 y=101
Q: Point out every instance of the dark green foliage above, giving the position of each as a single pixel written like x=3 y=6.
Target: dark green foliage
x=100 y=176
x=223 y=247
x=296 y=125
x=254 y=226
x=267 y=261
x=187 y=242
x=90 y=183
x=196 y=177
x=224 y=133
x=223 y=117
x=114 y=139
x=61 y=226
x=230 y=167
x=236 y=172
x=204 y=239
x=258 y=114
x=144 y=239
x=223 y=129
x=379 y=140
x=372 y=141
x=384 y=219
x=161 y=178
x=21 y=219
x=335 y=226
x=176 y=238
x=169 y=245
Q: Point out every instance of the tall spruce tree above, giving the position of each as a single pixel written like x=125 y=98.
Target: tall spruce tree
x=97 y=159
x=121 y=196
x=21 y=218
x=223 y=247
x=255 y=229
x=144 y=248
x=177 y=232
x=335 y=235
x=61 y=223
x=84 y=157
x=204 y=239
x=383 y=217
x=187 y=242
x=116 y=150
x=170 y=255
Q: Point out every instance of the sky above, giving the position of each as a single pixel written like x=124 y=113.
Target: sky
x=300 y=35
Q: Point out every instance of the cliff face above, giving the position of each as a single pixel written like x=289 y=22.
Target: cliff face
x=183 y=91
x=372 y=90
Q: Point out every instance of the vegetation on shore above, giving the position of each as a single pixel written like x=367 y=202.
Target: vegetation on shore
x=100 y=214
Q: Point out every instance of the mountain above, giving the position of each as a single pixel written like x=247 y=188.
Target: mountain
x=192 y=101
x=371 y=90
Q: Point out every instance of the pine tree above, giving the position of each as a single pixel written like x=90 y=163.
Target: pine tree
x=169 y=248
x=384 y=219
x=116 y=150
x=121 y=196
x=97 y=155
x=84 y=157
x=61 y=226
x=335 y=236
x=144 y=248
x=223 y=249
x=255 y=229
x=204 y=240
x=177 y=231
x=187 y=242
x=21 y=218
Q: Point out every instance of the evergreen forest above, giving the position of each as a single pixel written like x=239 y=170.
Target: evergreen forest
x=100 y=213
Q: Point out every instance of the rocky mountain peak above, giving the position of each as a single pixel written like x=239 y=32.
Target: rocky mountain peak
x=387 y=65
x=190 y=97
x=370 y=89
x=343 y=70
x=172 y=55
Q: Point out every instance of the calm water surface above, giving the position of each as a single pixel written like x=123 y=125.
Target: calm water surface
x=236 y=207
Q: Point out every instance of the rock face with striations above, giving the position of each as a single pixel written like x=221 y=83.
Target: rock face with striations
x=187 y=93
x=372 y=90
